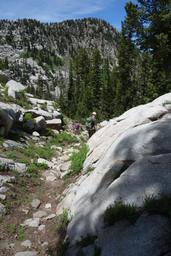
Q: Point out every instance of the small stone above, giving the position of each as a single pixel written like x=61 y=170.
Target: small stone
x=55 y=131
x=41 y=227
x=3 y=189
x=2 y=210
x=2 y=197
x=63 y=174
x=44 y=161
x=44 y=244
x=54 y=147
x=20 y=168
x=65 y=167
x=12 y=245
x=35 y=203
x=51 y=216
x=65 y=158
x=48 y=206
x=54 y=160
x=51 y=178
x=27 y=243
x=26 y=253
x=36 y=134
x=6 y=179
x=60 y=149
x=26 y=211
x=40 y=214
x=34 y=223
x=12 y=144
x=35 y=138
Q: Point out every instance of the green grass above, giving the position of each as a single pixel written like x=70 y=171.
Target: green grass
x=11 y=228
x=62 y=221
x=120 y=211
x=61 y=226
x=63 y=138
x=21 y=233
x=34 y=167
x=21 y=99
x=34 y=152
x=78 y=158
x=27 y=117
x=12 y=154
x=161 y=205
x=1 y=140
x=18 y=230
x=47 y=152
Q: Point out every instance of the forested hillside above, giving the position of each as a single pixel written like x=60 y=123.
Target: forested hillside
x=144 y=64
x=93 y=66
x=38 y=54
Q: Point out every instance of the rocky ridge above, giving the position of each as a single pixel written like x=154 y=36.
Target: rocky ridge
x=24 y=42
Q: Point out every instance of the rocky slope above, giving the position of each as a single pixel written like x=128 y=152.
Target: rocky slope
x=128 y=163
x=38 y=54
x=35 y=157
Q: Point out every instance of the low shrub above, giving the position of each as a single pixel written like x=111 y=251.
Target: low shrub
x=27 y=117
x=120 y=211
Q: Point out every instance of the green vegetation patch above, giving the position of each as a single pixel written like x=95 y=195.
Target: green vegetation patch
x=27 y=117
x=18 y=230
x=34 y=151
x=78 y=158
x=120 y=211
x=62 y=221
x=21 y=99
x=160 y=205
x=33 y=168
x=21 y=233
x=63 y=138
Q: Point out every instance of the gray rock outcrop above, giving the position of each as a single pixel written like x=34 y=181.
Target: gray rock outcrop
x=131 y=160
x=14 y=87
x=10 y=165
x=9 y=115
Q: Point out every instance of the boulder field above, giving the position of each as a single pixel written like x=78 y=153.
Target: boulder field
x=130 y=161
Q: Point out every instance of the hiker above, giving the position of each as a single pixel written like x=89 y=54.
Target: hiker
x=91 y=124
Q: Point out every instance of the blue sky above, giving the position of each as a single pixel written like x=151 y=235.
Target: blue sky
x=59 y=10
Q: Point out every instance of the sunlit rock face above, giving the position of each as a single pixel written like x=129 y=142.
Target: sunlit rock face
x=131 y=157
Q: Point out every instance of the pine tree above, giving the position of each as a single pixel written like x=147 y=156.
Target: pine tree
x=96 y=79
